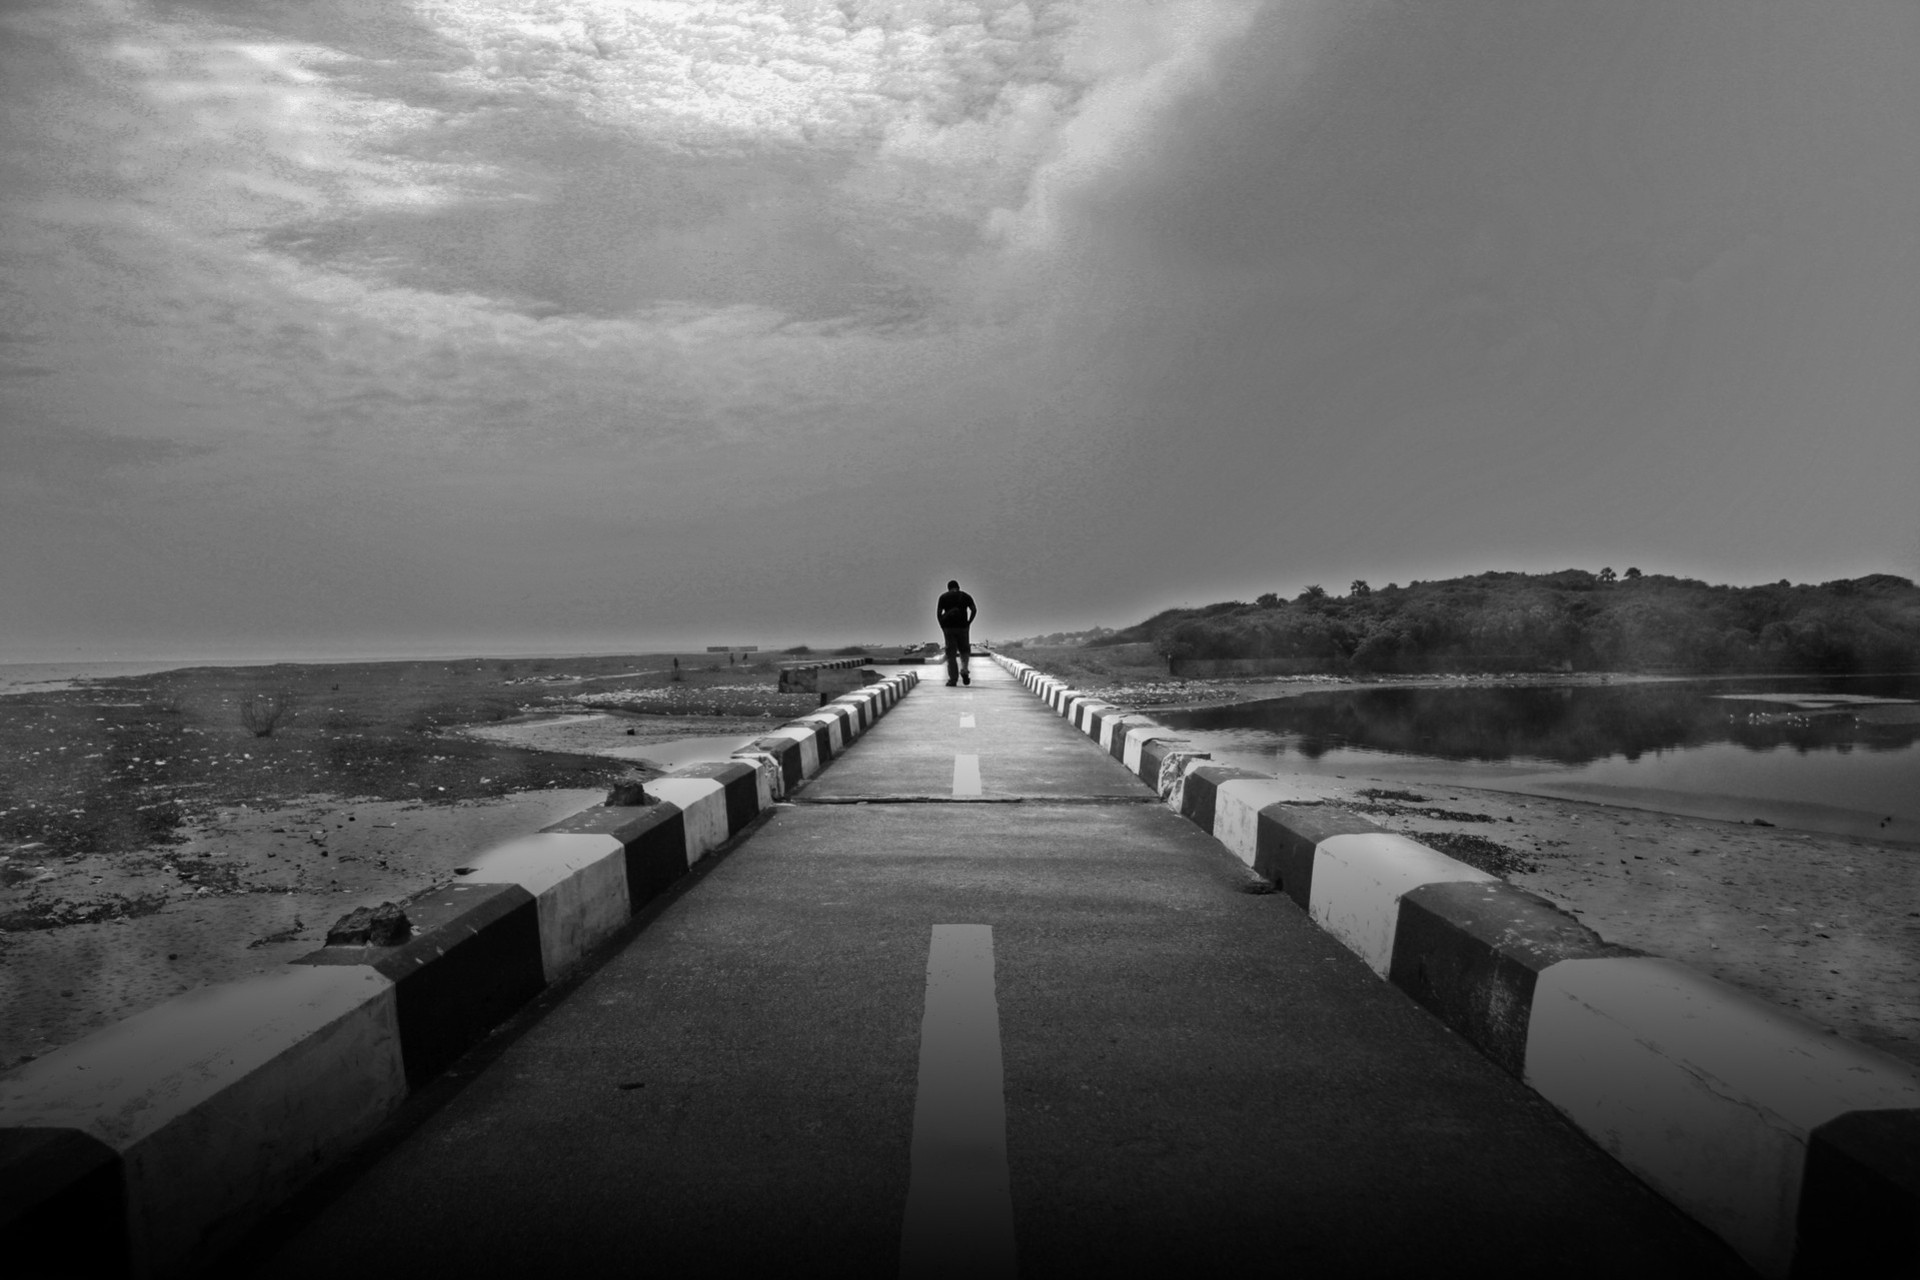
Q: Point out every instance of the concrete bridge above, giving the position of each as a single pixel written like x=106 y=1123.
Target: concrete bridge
x=998 y=983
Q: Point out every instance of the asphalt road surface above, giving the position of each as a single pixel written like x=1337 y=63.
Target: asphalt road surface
x=975 y=1003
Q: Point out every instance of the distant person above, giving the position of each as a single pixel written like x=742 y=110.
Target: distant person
x=956 y=612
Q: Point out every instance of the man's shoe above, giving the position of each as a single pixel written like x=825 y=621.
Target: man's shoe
x=966 y=677
x=950 y=684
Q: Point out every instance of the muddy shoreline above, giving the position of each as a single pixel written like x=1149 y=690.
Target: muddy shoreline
x=1825 y=924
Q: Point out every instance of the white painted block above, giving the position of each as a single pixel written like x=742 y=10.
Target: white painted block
x=1084 y=713
x=579 y=886
x=1236 y=811
x=809 y=748
x=836 y=731
x=770 y=781
x=1358 y=881
x=1138 y=737
x=225 y=1100
x=1703 y=1090
x=854 y=712
x=703 y=809
x=809 y=756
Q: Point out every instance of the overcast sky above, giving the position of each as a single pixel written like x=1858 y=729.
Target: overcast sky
x=467 y=324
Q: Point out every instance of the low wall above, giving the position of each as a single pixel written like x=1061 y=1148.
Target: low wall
x=1799 y=1148
x=804 y=677
x=151 y=1146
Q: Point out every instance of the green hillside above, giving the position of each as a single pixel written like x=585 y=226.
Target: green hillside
x=1567 y=620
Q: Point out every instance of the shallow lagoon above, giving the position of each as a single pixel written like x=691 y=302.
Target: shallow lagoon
x=1834 y=754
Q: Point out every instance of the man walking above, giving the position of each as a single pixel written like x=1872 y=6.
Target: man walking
x=956 y=612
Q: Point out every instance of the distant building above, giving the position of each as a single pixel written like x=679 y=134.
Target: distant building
x=733 y=648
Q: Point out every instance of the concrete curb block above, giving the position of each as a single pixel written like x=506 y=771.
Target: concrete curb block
x=150 y=1146
x=1798 y=1148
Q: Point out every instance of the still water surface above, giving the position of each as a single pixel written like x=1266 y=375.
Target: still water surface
x=1829 y=754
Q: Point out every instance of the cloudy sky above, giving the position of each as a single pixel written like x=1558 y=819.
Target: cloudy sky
x=468 y=324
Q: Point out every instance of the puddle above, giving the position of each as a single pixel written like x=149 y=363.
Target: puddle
x=671 y=754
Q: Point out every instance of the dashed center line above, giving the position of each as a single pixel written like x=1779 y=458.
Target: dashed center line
x=966 y=775
x=959 y=1219
x=966 y=722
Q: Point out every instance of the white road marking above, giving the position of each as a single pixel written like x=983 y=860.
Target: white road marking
x=966 y=722
x=966 y=775
x=959 y=1219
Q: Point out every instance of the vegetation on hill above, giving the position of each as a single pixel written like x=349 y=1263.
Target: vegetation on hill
x=1094 y=635
x=1572 y=619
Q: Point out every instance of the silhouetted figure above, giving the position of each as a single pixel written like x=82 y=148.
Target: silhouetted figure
x=956 y=612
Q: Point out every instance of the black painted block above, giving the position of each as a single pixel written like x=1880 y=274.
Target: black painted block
x=1203 y=788
x=656 y=856
x=63 y=1205
x=1860 y=1200
x=1470 y=951
x=738 y=783
x=1284 y=840
x=473 y=961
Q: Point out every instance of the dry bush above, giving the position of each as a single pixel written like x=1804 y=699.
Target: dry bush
x=263 y=712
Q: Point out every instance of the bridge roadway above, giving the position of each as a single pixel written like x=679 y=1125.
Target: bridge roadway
x=1194 y=1078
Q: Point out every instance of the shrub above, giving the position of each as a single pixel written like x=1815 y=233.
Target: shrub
x=261 y=713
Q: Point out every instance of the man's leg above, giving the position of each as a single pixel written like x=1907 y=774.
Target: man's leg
x=966 y=654
x=955 y=640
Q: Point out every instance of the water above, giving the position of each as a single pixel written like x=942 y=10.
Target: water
x=675 y=752
x=1839 y=755
x=51 y=677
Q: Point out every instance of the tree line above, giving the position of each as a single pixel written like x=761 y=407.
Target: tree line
x=1570 y=620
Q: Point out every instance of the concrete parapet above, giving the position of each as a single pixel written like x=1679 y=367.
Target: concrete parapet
x=151 y=1145
x=805 y=677
x=1798 y=1148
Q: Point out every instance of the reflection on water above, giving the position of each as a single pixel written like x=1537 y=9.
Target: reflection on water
x=1835 y=743
x=1577 y=724
x=673 y=753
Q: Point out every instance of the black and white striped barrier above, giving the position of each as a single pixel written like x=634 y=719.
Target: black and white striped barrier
x=1799 y=1148
x=153 y=1145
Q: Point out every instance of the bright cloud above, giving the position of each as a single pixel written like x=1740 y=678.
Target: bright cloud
x=494 y=255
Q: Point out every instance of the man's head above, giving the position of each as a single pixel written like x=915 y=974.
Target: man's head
x=953 y=584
